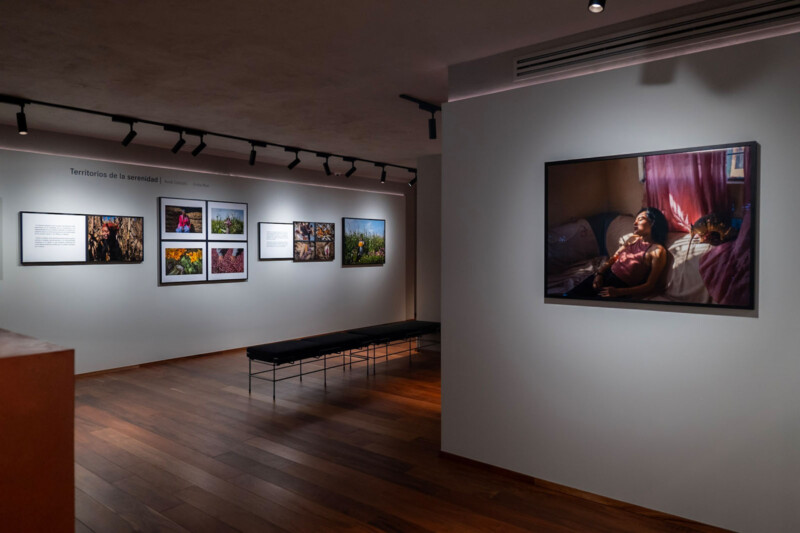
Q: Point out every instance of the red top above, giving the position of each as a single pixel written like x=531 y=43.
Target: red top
x=630 y=265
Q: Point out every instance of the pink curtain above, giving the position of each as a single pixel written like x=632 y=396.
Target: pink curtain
x=686 y=186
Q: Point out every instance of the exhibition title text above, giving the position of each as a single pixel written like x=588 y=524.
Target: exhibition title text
x=114 y=175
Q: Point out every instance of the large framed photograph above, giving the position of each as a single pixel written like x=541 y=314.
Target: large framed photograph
x=275 y=241
x=227 y=221
x=114 y=239
x=314 y=241
x=183 y=262
x=182 y=219
x=364 y=242
x=227 y=261
x=52 y=238
x=669 y=227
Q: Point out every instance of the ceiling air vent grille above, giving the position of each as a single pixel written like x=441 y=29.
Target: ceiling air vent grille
x=732 y=21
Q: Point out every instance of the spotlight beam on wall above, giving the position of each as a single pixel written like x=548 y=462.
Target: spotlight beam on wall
x=427 y=107
x=22 y=128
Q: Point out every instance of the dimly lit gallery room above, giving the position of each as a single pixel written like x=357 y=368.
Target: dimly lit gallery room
x=399 y=266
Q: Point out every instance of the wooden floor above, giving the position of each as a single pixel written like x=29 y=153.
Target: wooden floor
x=181 y=446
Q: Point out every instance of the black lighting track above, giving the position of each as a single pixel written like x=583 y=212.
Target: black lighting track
x=18 y=101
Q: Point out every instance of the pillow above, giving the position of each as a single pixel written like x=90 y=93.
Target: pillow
x=569 y=244
x=619 y=231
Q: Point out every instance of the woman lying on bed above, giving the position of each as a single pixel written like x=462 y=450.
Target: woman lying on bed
x=637 y=269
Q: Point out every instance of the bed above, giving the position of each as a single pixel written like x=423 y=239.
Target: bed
x=577 y=249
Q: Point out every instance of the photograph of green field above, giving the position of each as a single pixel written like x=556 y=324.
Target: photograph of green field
x=364 y=241
x=227 y=221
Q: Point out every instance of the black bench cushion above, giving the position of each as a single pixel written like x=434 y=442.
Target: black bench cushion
x=336 y=342
x=290 y=351
x=398 y=330
x=281 y=352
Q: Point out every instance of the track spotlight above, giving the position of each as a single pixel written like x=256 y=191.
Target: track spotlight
x=253 y=145
x=383 y=171
x=414 y=179
x=200 y=147
x=129 y=137
x=352 y=168
x=325 y=166
x=296 y=157
x=597 y=6
x=129 y=121
x=181 y=141
x=22 y=124
x=430 y=108
x=179 y=144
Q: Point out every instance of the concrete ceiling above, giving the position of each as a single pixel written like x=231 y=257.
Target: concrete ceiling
x=318 y=74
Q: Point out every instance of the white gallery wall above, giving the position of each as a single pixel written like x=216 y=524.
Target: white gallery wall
x=690 y=412
x=116 y=315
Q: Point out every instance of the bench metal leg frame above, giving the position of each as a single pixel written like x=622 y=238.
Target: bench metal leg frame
x=272 y=368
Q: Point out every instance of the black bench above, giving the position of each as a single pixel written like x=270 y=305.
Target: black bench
x=356 y=343
x=396 y=333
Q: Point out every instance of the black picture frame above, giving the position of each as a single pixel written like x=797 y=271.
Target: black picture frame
x=369 y=253
x=81 y=247
x=202 y=240
x=166 y=218
x=313 y=242
x=288 y=256
x=239 y=207
x=33 y=237
x=581 y=208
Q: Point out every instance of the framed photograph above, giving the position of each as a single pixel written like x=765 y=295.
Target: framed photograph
x=324 y=231
x=324 y=251
x=668 y=227
x=182 y=219
x=275 y=241
x=52 y=238
x=227 y=261
x=304 y=231
x=227 y=221
x=114 y=239
x=364 y=242
x=183 y=262
x=304 y=252
x=314 y=241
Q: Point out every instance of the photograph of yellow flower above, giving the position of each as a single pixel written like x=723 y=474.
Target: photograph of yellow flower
x=181 y=264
